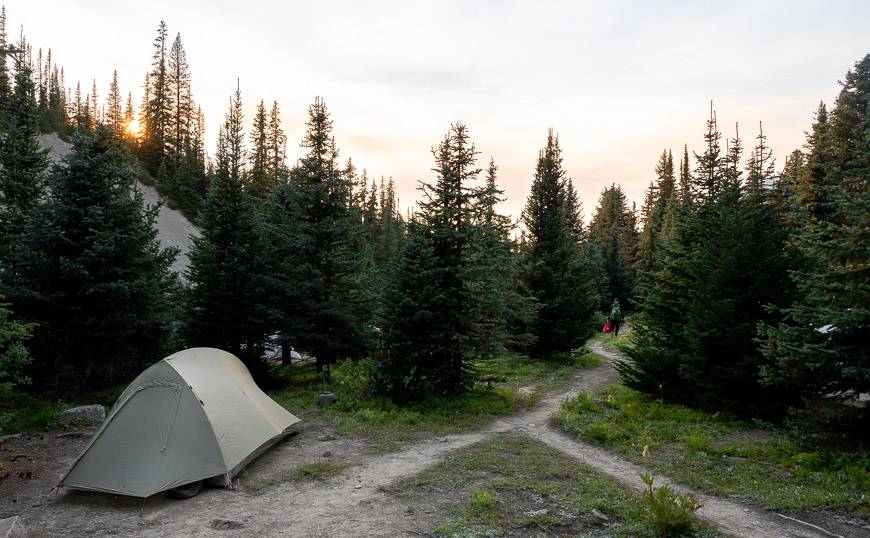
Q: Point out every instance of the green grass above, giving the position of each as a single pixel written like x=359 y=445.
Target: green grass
x=361 y=413
x=512 y=483
x=719 y=454
x=306 y=471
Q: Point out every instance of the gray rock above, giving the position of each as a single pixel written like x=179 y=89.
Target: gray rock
x=600 y=515
x=11 y=527
x=85 y=414
x=327 y=398
x=4 y=438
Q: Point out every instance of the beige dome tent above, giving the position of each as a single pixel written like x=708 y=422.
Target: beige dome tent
x=194 y=415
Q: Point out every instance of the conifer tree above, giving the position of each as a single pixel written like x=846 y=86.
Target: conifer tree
x=260 y=183
x=179 y=103
x=318 y=304
x=708 y=179
x=432 y=359
x=114 y=118
x=819 y=348
x=723 y=261
x=760 y=168
x=79 y=111
x=574 y=212
x=685 y=179
x=5 y=83
x=96 y=116
x=157 y=105
x=93 y=275
x=613 y=233
x=815 y=184
x=23 y=162
x=276 y=143
x=563 y=278
x=224 y=305
x=128 y=119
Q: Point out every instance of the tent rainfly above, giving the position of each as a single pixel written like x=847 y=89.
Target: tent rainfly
x=194 y=415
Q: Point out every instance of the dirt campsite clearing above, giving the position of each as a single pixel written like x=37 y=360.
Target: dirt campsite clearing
x=321 y=483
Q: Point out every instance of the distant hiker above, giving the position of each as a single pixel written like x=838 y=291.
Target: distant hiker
x=615 y=316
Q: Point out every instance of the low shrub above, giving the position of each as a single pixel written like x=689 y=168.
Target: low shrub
x=669 y=513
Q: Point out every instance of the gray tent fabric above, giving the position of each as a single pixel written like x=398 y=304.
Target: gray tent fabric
x=194 y=415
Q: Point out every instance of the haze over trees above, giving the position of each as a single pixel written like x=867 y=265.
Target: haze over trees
x=748 y=281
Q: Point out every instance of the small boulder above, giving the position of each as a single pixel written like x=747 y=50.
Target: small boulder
x=327 y=398
x=11 y=527
x=600 y=515
x=85 y=414
x=4 y=438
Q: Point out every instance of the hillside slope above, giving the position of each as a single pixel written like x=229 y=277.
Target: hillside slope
x=173 y=229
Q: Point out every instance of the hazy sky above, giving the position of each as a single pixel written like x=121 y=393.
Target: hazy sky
x=619 y=81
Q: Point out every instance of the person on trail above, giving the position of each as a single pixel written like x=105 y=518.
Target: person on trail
x=615 y=316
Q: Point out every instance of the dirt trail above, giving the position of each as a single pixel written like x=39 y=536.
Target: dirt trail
x=353 y=504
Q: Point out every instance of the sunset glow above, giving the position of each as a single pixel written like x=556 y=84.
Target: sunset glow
x=133 y=128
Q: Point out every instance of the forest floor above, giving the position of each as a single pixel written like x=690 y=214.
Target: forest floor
x=510 y=472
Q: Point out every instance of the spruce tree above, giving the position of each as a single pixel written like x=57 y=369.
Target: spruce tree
x=23 y=162
x=564 y=279
x=613 y=234
x=129 y=118
x=276 y=142
x=157 y=105
x=260 y=182
x=316 y=296
x=96 y=116
x=114 y=118
x=761 y=167
x=819 y=349
x=712 y=275
x=5 y=83
x=180 y=103
x=93 y=276
x=224 y=304
x=685 y=191
x=432 y=359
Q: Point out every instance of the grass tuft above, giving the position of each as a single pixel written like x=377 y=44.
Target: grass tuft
x=306 y=471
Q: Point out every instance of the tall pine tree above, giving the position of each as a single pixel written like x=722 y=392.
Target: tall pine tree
x=562 y=277
x=819 y=349
x=224 y=304
x=317 y=300
x=93 y=276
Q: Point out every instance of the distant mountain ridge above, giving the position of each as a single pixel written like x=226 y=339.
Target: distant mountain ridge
x=173 y=228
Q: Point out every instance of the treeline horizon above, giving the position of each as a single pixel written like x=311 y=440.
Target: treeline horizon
x=750 y=286
x=170 y=124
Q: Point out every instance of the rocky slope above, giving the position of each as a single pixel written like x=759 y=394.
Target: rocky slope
x=173 y=228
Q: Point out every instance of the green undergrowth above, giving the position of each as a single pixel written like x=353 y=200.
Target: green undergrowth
x=719 y=454
x=513 y=485
x=321 y=470
x=507 y=384
x=28 y=413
